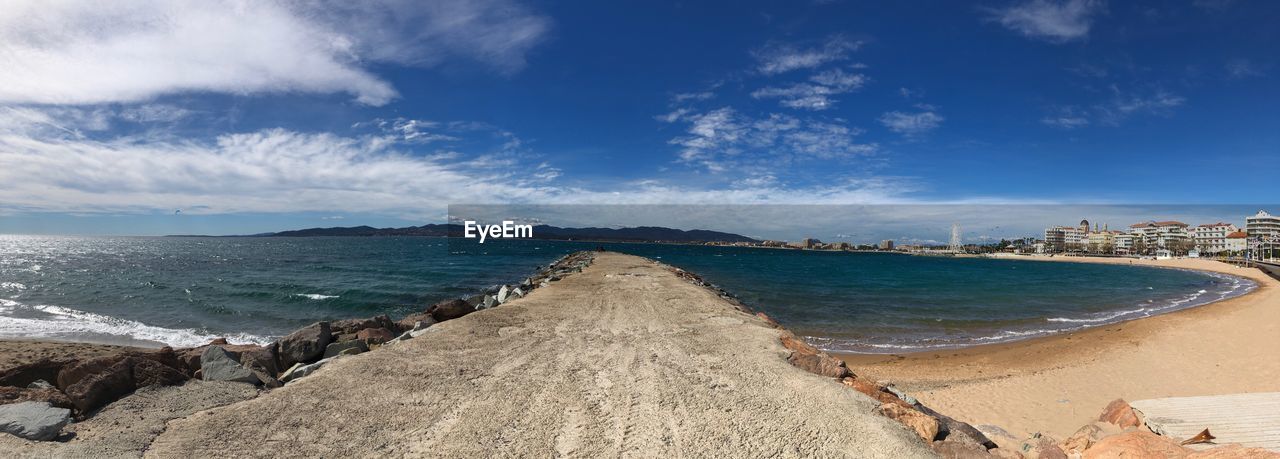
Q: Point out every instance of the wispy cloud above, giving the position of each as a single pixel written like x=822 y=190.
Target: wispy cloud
x=1056 y=21
x=911 y=124
x=136 y=50
x=1242 y=68
x=776 y=58
x=715 y=138
x=816 y=94
x=1066 y=118
x=1122 y=106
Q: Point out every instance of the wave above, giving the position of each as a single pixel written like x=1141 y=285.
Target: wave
x=315 y=296
x=20 y=321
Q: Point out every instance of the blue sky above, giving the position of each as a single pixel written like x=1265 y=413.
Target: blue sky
x=159 y=117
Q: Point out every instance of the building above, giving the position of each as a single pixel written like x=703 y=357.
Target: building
x=1067 y=238
x=886 y=245
x=1211 y=238
x=1264 y=231
x=1102 y=241
x=1237 y=242
x=1170 y=235
x=1124 y=243
x=806 y=243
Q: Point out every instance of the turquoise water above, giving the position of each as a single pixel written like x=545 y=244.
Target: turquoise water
x=185 y=291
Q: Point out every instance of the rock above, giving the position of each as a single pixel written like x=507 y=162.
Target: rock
x=1081 y=440
x=355 y=325
x=503 y=294
x=260 y=359
x=1119 y=412
x=958 y=450
x=1137 y=444
x=40 y=384
x=1042 y=447
x=50 y=395
x=190 y=358
x=374 y=336
x=219 y=365
x=1005 y=453
x=300 y=370
x=338 y=348
x=900 y=394
x=416 y=332
x=151 y=373
x=33 y=420
x=96 y=382
x=808 y=358
x=43 y=369
x=411 y=320
x=924 y=425
x=488 y=302
x=871 y=389
x=517 y=292
x=218 y=342
x=449 y=309
x=1002 y=438
x=303 y=345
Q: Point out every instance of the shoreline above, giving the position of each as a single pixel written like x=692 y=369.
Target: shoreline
x=1053 y=384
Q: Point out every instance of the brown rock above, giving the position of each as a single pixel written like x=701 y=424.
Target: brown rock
x=1081 y=440
x=1042 y=447
x=924 y=425
x=1005 y=453
x=43 y=369
x=1136 y=444
x=260 y=359
x=151 y=373
x=97 y=382
x=355 y=325
x=873 y=390
x=218 y=342
x=189 y=359
x=450 y=309
x=809 y=358
x=1119 y=412
x=304 y=345
x=374 y=335
x=959 y=450
x=18 y=395
x=408 y=322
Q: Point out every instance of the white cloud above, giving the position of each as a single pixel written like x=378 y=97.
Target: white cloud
x=815 y=94
x=1066 y=119
x=70 y=52
x=911 y=124
x=1123 y=106
x=724 y=137
x=1056 y=21
x=1242 y=68
x=776 y=58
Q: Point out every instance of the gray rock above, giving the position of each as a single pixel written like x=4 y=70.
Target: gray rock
x=902 y=395
x=301 y=371
x=337 y=348
x=40 y=384
x=517 y=292
x=489 y=302
x=305 y=344
x=33 y=420
x=216 y=364
x=503 y=294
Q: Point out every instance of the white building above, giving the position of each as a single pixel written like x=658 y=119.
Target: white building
x=1162 y=235
x=1237 y=242
x=1211 y=238
x=1264 y=229
x=1067 y=238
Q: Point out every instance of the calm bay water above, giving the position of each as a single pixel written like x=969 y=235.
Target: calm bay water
x=185 y=291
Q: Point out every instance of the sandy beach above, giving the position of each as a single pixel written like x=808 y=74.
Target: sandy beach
x=1056 y=384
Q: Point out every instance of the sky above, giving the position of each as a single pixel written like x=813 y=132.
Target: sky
x=150 y=117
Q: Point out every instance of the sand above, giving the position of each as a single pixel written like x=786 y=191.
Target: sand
x=1056 y=384
x=19 y=352
x=623 y=359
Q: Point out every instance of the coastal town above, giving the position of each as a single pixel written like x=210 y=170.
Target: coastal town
x=1257 y=238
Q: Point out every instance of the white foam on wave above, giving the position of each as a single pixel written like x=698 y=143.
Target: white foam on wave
x=12 y=286
x=314 y=296
x=65 y=324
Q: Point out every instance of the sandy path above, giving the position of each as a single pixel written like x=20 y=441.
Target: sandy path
x=624 y=359
x=1054 y=385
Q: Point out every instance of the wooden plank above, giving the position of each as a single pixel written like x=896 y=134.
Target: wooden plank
x=1247 y=419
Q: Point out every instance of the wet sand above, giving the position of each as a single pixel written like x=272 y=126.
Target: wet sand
x=1058 y=383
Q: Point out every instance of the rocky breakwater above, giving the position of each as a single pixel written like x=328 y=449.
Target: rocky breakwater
x=38 y=399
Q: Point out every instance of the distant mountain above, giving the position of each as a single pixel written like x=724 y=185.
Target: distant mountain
x=637 y=234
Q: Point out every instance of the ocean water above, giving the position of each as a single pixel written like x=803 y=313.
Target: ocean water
x=186 y=291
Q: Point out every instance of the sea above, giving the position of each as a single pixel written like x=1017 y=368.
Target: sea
x=185 y=291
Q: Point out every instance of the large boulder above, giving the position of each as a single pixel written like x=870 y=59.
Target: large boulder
x=23 y=375
x=924 y=425
x=411 y=321
x=449 y=310
x=33 y=420
x=809 y=358
x=1119 y=412
x=96 y=382
x=349 y=347
x=50 y=395
x=304 y=345
x=219 y=365
x=1136 y=443
x=148 y=372
x=374 y=335
x=347 y=326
